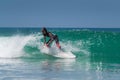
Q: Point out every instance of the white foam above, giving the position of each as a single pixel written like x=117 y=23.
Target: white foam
x=58 y=53
x=12 y=46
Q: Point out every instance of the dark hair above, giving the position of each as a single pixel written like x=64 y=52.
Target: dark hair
x=44 y=31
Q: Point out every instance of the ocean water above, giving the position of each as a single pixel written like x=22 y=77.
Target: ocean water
x=97 y=53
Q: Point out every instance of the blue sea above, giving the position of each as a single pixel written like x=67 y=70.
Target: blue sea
x=97 y=52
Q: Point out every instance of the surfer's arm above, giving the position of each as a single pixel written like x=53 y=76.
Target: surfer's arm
x=44 y=39
x=51 y=38
x=49 y=42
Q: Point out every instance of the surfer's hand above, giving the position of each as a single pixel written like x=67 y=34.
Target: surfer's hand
x=46 y=45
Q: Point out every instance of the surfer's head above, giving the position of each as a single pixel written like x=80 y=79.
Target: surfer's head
x=44 y=31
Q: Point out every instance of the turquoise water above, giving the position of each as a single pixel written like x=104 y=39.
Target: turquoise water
x=97 y=53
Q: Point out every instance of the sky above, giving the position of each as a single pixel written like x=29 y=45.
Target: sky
x=60 y=13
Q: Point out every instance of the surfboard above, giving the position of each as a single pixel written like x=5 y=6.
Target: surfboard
x=57 y=53
x=65 y=55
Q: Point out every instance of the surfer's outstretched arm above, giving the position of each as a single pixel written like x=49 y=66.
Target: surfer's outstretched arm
x=49 y=41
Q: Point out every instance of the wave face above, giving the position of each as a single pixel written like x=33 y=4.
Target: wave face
x=95 y=44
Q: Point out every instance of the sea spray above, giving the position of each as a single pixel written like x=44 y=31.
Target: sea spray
x=12 y=46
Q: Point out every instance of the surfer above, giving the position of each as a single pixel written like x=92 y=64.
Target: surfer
x=51 y=36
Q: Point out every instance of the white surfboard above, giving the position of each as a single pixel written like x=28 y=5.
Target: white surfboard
x=57 y=53
x=65 y=55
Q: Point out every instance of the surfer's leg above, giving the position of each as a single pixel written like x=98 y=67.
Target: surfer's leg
x=58 y=45
x=57 y=42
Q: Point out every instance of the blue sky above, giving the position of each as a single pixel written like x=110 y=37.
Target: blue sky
x=60 y=13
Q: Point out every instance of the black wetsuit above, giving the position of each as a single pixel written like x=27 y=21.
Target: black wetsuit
x=52 y=37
